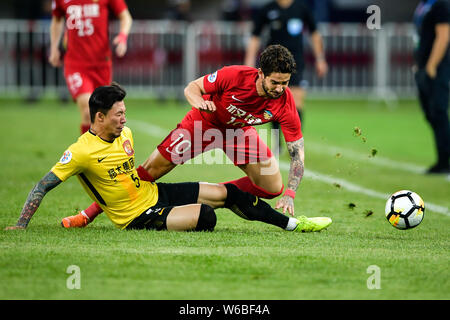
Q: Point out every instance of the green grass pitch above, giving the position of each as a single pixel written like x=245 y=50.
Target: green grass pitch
x=356 y=152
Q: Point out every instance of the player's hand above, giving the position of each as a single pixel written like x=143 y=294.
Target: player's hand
x=431 y=71
x=321 y=68
x=207 y=106
x=55 y=57
x=120 y=41
x=286 y=203
x=15 y=228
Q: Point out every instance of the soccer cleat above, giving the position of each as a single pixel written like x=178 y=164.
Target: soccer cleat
x=305 y=224
x=76 y=221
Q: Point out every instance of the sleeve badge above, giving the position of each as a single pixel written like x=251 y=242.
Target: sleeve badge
x=66 y=157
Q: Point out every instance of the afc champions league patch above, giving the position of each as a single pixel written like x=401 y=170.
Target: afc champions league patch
x=66 y=157
x=212 y=77
x=267 y=115
x=128 y=148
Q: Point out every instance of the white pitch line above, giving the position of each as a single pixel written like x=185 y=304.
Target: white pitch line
x=156 y=131
x=358 y=189
x=378 y=160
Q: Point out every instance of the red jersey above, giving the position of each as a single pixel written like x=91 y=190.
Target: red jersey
x=87 y=29
x=233 y=91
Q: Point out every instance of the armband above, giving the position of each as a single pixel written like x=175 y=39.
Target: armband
x=290 y=193
x=122 y=37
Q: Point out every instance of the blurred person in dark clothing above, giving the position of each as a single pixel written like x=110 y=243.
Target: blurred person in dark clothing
x=287 y=20
x=432 y=74
x=179 y=10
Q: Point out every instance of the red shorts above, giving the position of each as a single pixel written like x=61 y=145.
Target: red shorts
x=85 y=79
x=194 y=136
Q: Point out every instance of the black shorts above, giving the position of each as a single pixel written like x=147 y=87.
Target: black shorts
x=297 y=77
x=169 y=195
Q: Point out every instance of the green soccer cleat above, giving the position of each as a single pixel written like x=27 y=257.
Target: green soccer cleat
x=312 y=224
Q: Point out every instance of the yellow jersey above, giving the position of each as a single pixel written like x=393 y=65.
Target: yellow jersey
x=107 y=171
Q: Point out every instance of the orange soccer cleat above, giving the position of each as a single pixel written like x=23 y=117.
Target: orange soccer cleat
x=77 y=221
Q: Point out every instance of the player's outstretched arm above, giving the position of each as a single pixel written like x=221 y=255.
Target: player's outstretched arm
x=47 y=183
x=194 y=92
x=297 y=168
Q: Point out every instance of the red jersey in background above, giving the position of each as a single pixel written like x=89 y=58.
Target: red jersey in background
x=86 y=23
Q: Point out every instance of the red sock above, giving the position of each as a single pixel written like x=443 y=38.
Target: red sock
x=92 y=211
x=245 y=184
x=84 y=128
x=144 y=175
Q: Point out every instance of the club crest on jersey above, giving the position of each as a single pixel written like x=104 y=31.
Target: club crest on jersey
x=128 y=148
x=212 y=77
x=66 y=157
x=267 y=115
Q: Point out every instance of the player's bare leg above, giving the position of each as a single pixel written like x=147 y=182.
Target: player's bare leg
x=212 y=194
x=157 y=166
x=265 y=175
x=83 y=105
x=198 y=217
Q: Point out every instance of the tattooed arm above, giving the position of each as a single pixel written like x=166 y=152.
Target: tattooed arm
x=297 y=168
x=47 y=183
x=297 y=153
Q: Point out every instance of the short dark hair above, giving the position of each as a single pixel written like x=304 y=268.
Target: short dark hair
x=276 y=58
x=103 y=98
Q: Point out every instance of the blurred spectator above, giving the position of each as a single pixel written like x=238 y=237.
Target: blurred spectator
x=432 y=20
x=179 y=10
x=236 y=10
x=321 y=9
x=287 y=20
x=46 y=9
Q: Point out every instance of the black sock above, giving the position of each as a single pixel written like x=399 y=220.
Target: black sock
x=207 y=219
x=250 y=207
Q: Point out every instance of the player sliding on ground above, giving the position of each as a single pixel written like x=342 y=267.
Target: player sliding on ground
x=225 y=106
x=103 y=159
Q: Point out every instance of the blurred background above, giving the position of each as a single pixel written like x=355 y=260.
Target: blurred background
x=175 y=41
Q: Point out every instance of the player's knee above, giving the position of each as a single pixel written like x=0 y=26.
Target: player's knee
x=207 y=219
x=273 y=190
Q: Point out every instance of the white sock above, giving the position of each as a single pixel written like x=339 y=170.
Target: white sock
x=292 y=224
x=84 y=214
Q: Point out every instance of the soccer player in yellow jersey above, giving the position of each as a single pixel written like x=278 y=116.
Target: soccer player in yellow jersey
x=103 y=161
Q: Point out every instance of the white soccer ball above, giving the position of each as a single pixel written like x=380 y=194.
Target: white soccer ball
x=405 y=209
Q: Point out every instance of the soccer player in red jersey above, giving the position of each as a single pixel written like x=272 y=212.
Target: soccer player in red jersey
x=87 y=61
x=226 y=104
x=231 y=101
